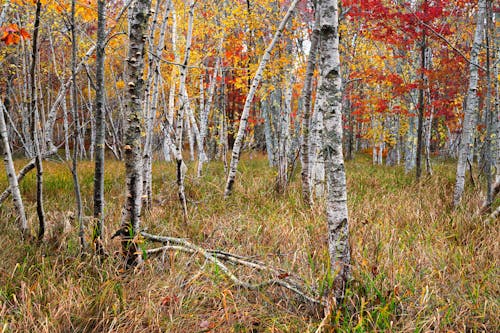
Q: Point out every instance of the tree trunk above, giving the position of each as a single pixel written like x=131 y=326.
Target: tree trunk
x=33 y=111
x=153 y=86
x=330 y=104
x=421 y=108
x=138 y=23
x=471 y=106
x=205 y=110
x=76 y=131
x=100 y=128
x=238 y=143
x=11 y=174
x=307 y=96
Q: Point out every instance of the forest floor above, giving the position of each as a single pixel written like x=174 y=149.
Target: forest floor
x=417 y=264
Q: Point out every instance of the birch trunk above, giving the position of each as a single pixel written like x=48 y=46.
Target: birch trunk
x=284 y=140
x=266 y=114
x=471 y=106
x=410 y=145
x=181 y=167
x=205 y=110
x=76 y=130
x=138 y=23
x=316 y=156
x=330 y=105
x=238 y=143
x=152 y=105
x=11 y=174
x=100 y=128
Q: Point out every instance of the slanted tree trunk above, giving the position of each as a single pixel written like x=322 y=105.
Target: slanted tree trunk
x=330 y=104
x=471 y=106
x=11 y=173
x=138 y=23
x=238 y=143
x=100 y=128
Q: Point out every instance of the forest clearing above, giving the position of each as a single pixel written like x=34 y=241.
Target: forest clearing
x=249 y=166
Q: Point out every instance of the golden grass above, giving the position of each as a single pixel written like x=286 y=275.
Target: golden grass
x=418 y=265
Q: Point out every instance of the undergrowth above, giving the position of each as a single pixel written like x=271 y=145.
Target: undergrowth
x=417 y=264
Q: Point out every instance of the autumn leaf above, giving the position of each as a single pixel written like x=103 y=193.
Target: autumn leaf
x=12 y=34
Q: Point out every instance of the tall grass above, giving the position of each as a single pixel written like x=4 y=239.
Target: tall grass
x=417 y=264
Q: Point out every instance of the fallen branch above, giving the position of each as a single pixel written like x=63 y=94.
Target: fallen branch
x=282 y=278
x=23 y=172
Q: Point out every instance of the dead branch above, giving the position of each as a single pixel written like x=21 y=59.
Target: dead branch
x=284 y=280
x=23 y=172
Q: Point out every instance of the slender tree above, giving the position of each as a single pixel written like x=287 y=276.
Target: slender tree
x=76 y=129
x=100 y=124
x=33 y=111
x=471 y=105
x=138 y=23
x=306 y=95
x=421 y=107
x=330 y=105
x=11 y=173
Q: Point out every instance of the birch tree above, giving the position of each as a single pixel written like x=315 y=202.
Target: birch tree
x=153 y=86
x=138 y=23
x=307 y=95
x=330 y=105
x=11 y=173
x=238 y=143
x=471 y=105
x=100 y=126
x=76 y=129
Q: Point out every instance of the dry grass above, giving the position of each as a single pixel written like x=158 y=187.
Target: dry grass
x=418 y=266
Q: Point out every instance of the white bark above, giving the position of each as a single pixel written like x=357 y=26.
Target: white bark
x=330 y=105
x=238 y=143
x=307 y=96
x=471 y=106
x=153 y=85
x=138 y=22
x=317 y=162
x=205 y=110
x=181 y=167
x=11 y=173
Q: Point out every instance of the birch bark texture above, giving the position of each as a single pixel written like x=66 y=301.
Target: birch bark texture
x=138 y=23
x=100 y=131
x=330 y=105
x=307 y=96
x=11 y=173
x=238 y=143
x=471 y=106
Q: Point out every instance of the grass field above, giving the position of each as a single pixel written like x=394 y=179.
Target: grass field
x=417 y=265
